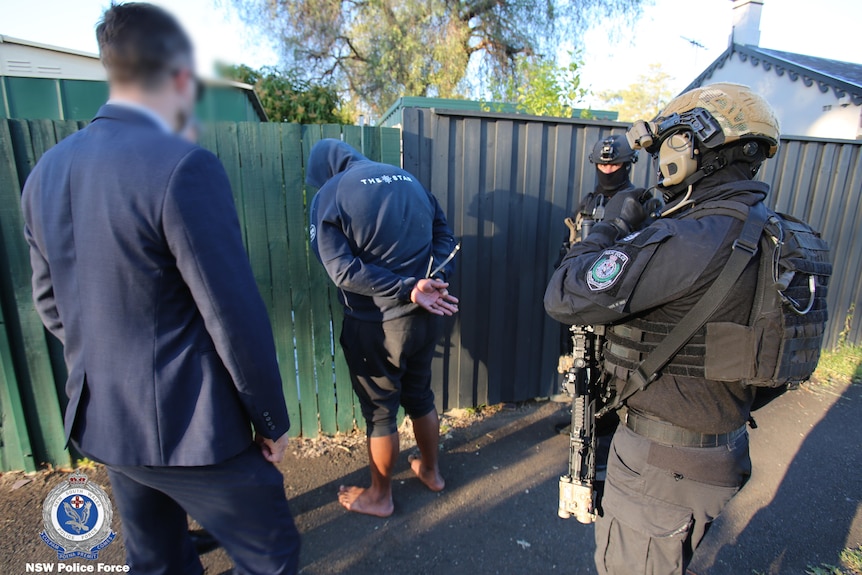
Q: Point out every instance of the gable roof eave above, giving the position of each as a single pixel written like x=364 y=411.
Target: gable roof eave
x=710 y=70
x=794 y=71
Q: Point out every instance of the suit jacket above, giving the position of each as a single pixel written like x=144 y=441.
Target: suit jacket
x=139 y=269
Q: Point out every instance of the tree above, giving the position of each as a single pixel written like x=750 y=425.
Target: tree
x=643 y=99
x=541 y=87
x=379 y=50
x=286 y=97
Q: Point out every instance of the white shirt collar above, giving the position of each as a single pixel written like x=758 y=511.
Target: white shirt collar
x=143 y=110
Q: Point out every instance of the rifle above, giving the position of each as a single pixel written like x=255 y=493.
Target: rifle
x=582 y=381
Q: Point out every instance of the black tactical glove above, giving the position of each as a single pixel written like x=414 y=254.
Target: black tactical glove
x=625 y=212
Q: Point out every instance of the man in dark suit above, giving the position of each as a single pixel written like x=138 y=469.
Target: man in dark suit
x=139 y=269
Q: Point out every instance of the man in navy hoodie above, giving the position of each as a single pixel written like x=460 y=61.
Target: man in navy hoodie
x=381 y=237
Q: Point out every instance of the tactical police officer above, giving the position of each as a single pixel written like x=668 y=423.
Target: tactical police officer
x=613 y=158
x=682 y=450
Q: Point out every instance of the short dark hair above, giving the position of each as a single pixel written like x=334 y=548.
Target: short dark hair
x=141 y=44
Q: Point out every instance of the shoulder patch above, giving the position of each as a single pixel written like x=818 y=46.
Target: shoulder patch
x=607 y=269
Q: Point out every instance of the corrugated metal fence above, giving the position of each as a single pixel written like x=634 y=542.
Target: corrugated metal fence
x=506 y=182
x=265 y=163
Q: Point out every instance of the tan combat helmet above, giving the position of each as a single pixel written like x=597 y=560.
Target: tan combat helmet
x=741 y=113
x=702 y=120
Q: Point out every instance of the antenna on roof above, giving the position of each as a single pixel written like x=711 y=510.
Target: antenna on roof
x=696 y=45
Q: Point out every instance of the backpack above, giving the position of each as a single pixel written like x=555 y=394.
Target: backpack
x=780 y=345
x=782 y=341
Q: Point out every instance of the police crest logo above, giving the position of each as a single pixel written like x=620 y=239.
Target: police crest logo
x=606 y=270
x=77 y=518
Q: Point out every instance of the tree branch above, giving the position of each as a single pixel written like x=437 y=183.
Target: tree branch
x=477 y=9
x=353 y=49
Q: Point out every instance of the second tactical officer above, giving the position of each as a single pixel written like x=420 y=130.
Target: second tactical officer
x=613 y=158
x=681 y=452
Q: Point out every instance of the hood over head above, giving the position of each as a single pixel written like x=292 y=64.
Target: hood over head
x=329 y=157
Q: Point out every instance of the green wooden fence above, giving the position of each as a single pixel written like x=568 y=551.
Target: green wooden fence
x=265 y=164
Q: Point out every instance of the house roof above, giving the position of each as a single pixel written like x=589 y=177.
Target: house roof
x=247 y=89
x=843 y=78
x=21 y=42
x=392 y=116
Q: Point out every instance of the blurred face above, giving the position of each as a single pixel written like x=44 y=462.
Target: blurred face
x=185 y=88
x=608 y=168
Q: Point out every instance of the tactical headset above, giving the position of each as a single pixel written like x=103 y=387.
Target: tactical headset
x=683 y=143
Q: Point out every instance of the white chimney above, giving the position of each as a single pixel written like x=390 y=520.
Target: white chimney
x=746 y=22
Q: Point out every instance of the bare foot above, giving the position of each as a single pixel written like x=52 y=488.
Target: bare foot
x=362 y=500
x=430 y=477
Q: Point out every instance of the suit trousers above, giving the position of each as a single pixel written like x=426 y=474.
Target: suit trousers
x=241 y=502
x=659 y=501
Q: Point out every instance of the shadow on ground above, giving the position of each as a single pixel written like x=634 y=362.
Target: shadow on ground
x=498 y=512
x=804 y=501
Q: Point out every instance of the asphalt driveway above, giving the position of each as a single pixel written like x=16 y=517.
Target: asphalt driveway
x=498 y=512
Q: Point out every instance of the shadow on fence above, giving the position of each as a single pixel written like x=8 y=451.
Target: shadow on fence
x=505 y=182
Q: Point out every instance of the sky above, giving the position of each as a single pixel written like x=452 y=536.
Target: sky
x=825 y=28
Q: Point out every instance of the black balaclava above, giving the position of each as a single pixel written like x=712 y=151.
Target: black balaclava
x=611 y=183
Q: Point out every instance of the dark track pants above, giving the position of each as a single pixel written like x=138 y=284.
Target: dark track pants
x=659 y=502
x=241 y=502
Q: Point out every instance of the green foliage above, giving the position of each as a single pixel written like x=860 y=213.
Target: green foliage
x=541 y=87
x=286 y=97
x=851 y=564
x=643 y=99
x=379 y=50
x=86 y=463
x=824 y=569
x=851 y=559
x=843 y=364
x=848 y=321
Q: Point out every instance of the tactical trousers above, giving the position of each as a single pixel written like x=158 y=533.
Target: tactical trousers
x=659 y=502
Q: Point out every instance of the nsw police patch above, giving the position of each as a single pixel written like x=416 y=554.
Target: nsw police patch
x=77 y=517
x=605 y=272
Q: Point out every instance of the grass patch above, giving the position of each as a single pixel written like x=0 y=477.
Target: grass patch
x=86 y=463
x=851 y=564
x=852 y=559
x=841 y=365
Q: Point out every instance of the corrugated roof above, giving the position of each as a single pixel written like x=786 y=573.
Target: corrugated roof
x=843 y=78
